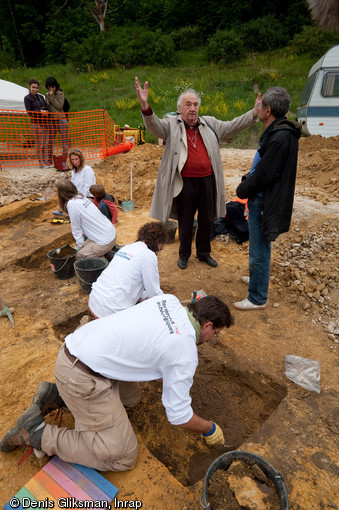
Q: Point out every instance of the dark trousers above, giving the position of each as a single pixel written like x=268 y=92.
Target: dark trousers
x=197 y=194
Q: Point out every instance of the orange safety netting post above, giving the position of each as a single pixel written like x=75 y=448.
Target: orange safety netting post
x=32 y=138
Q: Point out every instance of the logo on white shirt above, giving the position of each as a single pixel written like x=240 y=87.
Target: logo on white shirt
x=170 y=323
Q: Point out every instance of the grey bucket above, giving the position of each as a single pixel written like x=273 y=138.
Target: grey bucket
x=171 y=230
x=224 y=462
x=194 y=228
x=88 y=271
x=62 y=266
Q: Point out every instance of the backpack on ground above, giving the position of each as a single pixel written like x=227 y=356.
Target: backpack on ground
x=234 y=222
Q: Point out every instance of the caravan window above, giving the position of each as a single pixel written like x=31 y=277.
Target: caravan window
x=305 y=96
x=330 y=87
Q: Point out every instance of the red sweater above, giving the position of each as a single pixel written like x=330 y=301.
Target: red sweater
x=198 y=163
x=109 y=201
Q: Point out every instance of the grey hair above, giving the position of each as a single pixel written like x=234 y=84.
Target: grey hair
x=278 y=99
x=188 y=91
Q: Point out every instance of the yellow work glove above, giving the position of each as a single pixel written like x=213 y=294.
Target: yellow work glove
x=215 y=436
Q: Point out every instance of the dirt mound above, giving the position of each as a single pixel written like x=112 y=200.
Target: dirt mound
x=316 y=177
x=318 y=163
x=317 y=170
x=115 y=174
x=318 y=142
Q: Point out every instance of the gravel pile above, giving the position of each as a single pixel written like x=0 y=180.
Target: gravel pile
x=309 y=269
x=305 y=270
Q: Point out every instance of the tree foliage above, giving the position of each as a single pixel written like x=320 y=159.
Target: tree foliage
x=262 y=34
x=124 y=46
x=225 y=45
x=39 y=32
x=314 y=40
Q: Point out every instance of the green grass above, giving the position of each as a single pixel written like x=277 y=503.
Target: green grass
x=227 y=91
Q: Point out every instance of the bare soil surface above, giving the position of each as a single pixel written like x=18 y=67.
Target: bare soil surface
x=240 y=382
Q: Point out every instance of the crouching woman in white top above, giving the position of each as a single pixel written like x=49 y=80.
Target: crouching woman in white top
x=133 y=274
x=86 y=220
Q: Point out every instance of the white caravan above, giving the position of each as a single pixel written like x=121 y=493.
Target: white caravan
x=318 y=111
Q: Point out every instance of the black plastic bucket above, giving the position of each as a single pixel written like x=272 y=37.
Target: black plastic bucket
x=88 y=271
x=224 y=462
x=62 y=264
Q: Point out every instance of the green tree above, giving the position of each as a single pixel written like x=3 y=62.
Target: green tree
x=225 y=45
x=314 y=41
x=40 y=31
x=98 y=11
x=264 y=34
x=62 y=32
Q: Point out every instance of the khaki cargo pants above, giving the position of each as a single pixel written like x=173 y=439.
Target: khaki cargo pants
x=92 y=249
x=103 y=437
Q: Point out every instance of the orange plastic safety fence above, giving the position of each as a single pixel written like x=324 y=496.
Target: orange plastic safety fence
x=40 y=138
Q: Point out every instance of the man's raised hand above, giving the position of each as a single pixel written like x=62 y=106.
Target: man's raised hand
x=142 y=93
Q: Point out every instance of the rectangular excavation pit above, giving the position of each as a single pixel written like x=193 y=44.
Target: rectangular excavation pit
x=240 y=402
x=26 y=209
x=37 y=257
x=69 y=325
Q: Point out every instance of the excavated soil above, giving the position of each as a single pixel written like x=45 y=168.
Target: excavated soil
x=240 y=382
x=248 y=482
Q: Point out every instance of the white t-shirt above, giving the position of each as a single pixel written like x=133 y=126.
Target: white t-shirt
x=83 y=180
x=87 y=219
x=152 y=340
x=131 y=275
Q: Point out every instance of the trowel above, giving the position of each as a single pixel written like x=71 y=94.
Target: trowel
x=6 y=311
x=128 y=205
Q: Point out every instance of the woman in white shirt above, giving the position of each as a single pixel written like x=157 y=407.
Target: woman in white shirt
x=82 y=175
x=132 y=275
x=86 y=220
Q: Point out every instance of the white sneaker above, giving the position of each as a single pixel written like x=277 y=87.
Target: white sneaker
x=245 y=279
x=245 y=304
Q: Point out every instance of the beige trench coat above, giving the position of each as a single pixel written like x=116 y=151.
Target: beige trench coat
x=169 y=182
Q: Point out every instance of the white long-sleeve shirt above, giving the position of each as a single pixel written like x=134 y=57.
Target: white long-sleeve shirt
x=131 y=275
x=154 y=339
x=83 y=180
x=86 y=219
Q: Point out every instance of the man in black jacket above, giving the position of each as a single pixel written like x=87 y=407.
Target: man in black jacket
x=269 y=188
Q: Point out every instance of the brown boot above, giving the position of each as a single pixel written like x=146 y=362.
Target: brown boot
x=47 y=398
x=27 y=431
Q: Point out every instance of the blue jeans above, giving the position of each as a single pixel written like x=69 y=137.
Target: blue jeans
x=40 y=133
x=61 y=126
x=259 y=255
